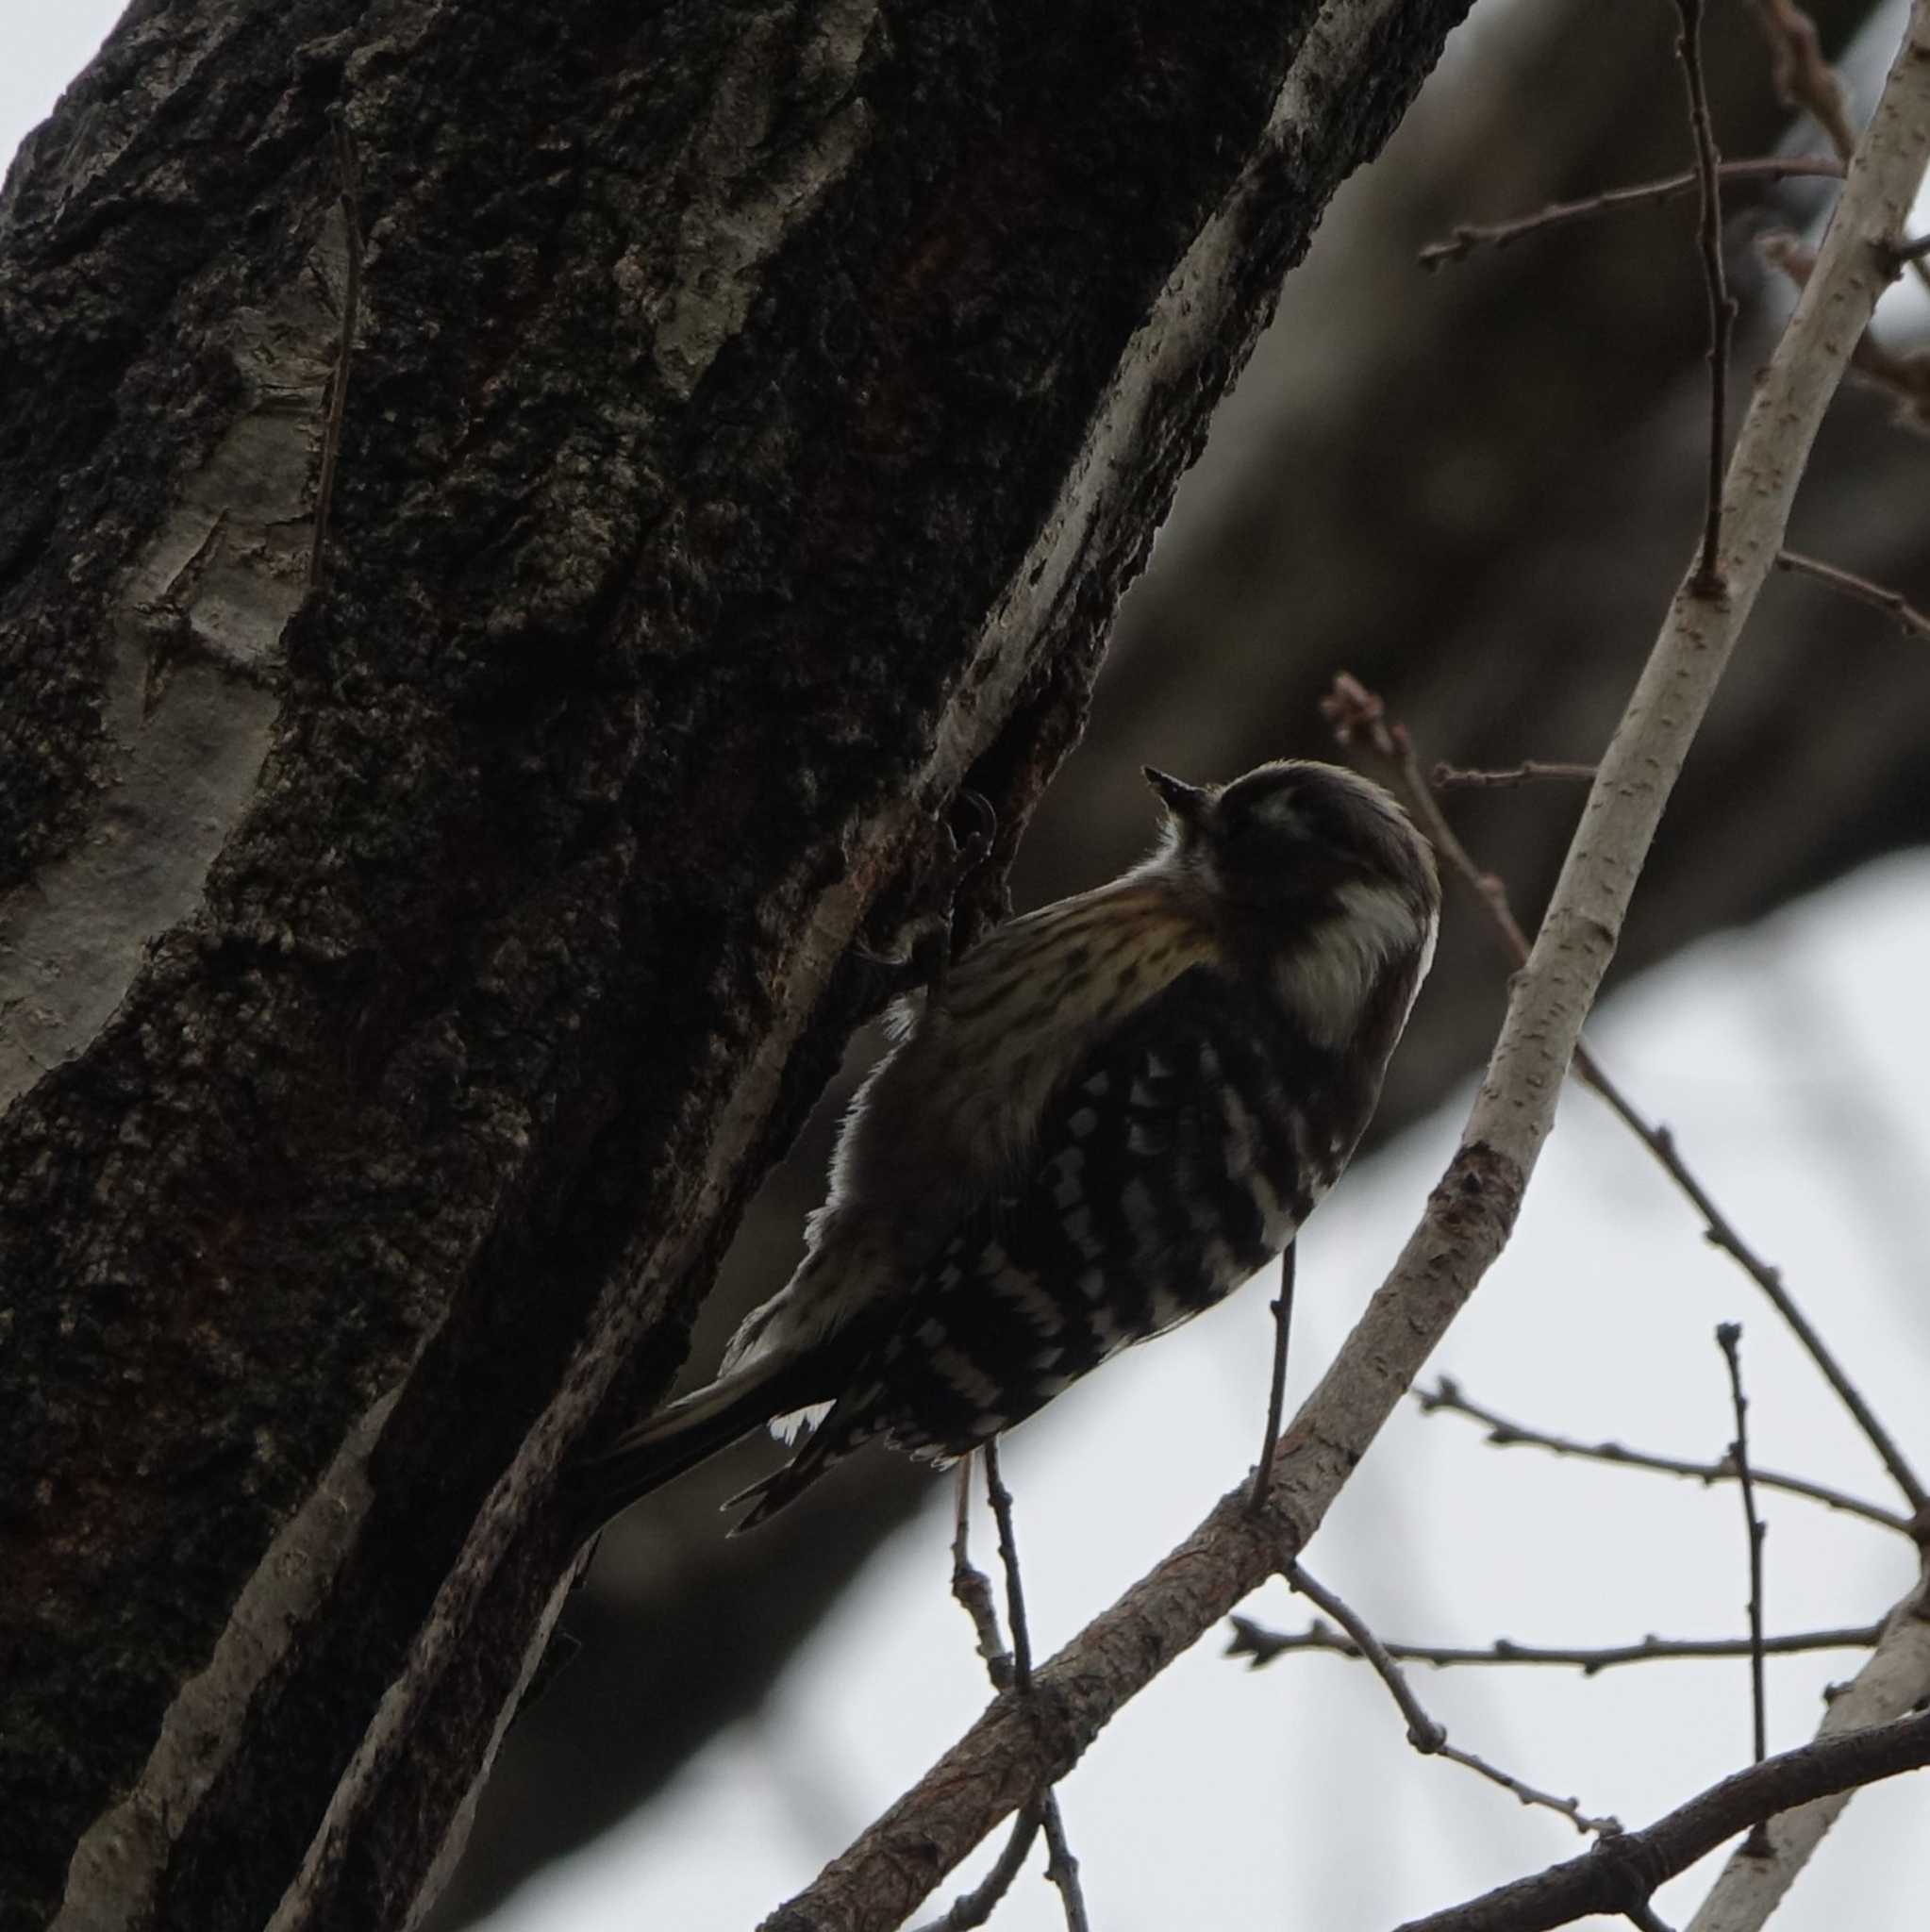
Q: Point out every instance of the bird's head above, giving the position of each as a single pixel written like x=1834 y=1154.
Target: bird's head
x=1295 y=836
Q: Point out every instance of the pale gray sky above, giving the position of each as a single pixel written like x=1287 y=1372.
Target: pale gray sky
x=43 y=44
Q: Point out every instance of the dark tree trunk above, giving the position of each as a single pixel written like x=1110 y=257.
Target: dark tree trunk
x=753 y=415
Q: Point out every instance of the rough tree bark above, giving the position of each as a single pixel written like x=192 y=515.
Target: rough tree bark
x=752 y=415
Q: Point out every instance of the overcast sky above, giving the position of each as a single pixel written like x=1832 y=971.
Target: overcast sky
x=1790 y=1060
x=43 y=43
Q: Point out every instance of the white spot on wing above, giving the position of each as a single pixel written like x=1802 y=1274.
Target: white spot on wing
x=1023 y=1291
x=966 y=1377
x=788 y=1428
x=1141 y=1213
x=1070 y=1190
x=1238 y=1145
x=1276 y=1224
x=1223 y=1269
x=1167 y=1311
x=1078 y=1230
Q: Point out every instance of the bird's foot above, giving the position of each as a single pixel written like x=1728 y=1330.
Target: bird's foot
x=920 y=952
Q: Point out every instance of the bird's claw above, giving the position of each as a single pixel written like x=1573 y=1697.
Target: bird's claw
x=921 y=951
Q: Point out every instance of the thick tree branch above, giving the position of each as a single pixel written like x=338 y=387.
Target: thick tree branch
x=1003 y=1762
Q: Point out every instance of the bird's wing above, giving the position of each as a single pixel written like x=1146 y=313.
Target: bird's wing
x=1175 y=1160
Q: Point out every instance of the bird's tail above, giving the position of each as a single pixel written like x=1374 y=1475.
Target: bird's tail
x=689 y=1431
x=676 y=1438
x=769 y=1494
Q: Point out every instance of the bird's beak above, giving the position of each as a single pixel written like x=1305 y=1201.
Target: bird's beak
x=1188 y=804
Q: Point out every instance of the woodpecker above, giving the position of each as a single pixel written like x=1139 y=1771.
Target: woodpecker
x=1111 y=1113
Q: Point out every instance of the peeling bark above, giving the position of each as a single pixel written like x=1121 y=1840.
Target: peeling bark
x=754 y=413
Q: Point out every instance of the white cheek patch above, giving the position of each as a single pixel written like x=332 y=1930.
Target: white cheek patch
x=1387 y=913
x=1420 y=972
x=1326 y=979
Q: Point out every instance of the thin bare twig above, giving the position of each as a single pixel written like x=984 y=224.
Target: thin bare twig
x=1423 y=1732
x=350 y=175
x=1455 y=779
x=1276 y=1395
x=1063 y=1867
x=1060 y=1866
x=973 y=1588
x=974 y=1908
x=1721 y=1232
x=1446 y=1396
x=1729 y=1340
x=1708 y=580
x=1619 y=1871
x=1803 y=79
x=1001 y=1499
x=1357 y=713
x=1893 y=603
x=1006 y=1668
x=1262 y=1645
x=1427 y=1734
x=1469 y=236
x=1801 y=76
x=1893 y=1681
